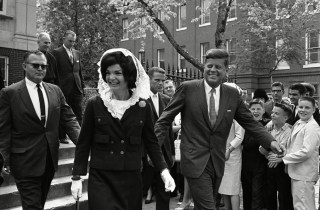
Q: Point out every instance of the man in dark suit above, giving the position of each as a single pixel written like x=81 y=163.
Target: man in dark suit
x=70 y=76
x=44 y=43
x=207 y=109
x=31 y=112
x=158 y=102
x=296 y=91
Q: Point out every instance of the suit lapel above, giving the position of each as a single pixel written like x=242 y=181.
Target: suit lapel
x=297 y=128
x=203 y=102
x=161 y=103
x=67 y=55
x=26 y=100
x=223 y=104
x=50 y=99
x=153 y=108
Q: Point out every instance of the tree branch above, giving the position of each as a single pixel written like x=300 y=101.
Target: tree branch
x=195 y=62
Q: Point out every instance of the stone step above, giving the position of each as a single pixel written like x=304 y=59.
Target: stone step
x=67 y=151
x=64 y=203
x=64 y=169
x=60 y=187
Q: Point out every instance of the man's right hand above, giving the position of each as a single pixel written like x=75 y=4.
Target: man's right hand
x=76 y=189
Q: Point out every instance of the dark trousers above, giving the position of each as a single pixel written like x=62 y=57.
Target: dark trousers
x=74 y=100
x=205 y=188
x=279 y=181
x=253 y=185
x=34 y=190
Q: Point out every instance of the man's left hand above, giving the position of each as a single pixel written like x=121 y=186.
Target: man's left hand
x=168 y=180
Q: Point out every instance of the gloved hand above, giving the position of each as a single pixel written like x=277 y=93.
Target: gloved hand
x=168 y=180
x=76 y=189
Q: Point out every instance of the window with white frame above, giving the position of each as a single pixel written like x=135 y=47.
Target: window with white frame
x=3 y=7
x=204 y=47
x=160 y=17
x=4 y=70
x=205 y=16
x=232 y=12
x=125 y=32
x=160 y=55
x=313 y=47
x=142 y=23
x=142 y=57
x=181 y=61
x=231 y=47
x=182 y=20
x=282 y=64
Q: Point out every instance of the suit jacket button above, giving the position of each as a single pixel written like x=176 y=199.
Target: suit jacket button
x=99 y=120
x=122 y=152
x=141 y=122
x=111 y=152
x=111 y=142
x=190 y=150
x=122 y=141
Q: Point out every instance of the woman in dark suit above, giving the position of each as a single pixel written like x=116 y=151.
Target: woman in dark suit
x=117 y=125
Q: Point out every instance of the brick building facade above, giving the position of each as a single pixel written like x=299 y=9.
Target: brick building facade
x=197 y=37
x=17 y=35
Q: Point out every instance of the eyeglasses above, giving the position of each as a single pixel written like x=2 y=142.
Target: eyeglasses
x=37 y=65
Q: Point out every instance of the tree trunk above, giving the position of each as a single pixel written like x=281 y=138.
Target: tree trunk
x=223 y=12
x=195 y=62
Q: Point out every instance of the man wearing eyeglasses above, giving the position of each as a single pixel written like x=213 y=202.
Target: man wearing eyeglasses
x=31 y=111
x=277 y=91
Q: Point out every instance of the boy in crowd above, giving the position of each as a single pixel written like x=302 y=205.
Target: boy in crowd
x=277 y=179
x=254 y=165
x=302 y=154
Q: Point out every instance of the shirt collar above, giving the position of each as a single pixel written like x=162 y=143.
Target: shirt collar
x=152 y=94
x=67 y=49
x=32 y=84
x=208 y=88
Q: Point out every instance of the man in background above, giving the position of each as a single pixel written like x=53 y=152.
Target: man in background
x=169 y=88
x=44 y=43
x=277 y=91
x=71 y=81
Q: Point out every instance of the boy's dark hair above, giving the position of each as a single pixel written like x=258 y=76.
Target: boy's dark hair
x=299 y=87
x=155 y=69
x=285 y=107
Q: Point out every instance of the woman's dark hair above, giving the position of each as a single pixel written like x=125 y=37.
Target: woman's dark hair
x=126 y=63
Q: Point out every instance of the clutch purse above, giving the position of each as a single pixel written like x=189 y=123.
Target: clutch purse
x=177 y=147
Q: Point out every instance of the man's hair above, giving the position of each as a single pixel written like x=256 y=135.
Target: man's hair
x=31 y=52
x=69 y=32
x=42 y=34
x=168 y=81
x=285 y=107
x=156 y=69
x=299 y=87
x=310 y=88
x=277 y=84
x=256 y=101
x=218 y=54
x=308 y=98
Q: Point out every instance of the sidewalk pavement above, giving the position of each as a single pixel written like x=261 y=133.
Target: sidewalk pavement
x=174 y=201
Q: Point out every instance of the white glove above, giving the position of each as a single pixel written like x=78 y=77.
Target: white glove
x=76 y=189
x=168 y=180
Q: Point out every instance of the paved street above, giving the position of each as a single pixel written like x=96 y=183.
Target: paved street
x=173 y=201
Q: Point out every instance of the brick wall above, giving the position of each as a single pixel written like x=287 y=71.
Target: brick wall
x=16 y=73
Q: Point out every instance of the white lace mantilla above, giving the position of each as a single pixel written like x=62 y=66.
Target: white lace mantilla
x=117 y=107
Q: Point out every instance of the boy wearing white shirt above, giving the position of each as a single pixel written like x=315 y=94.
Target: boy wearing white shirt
x=301 y=157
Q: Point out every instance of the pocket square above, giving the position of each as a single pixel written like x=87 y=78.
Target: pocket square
x=77 y=61
x=229 y=110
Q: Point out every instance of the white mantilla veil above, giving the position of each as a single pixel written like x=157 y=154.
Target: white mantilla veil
x=115 y=107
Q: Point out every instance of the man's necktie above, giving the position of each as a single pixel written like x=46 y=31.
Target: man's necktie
x=71 y=58
x=212 y=110
x=42 y=107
